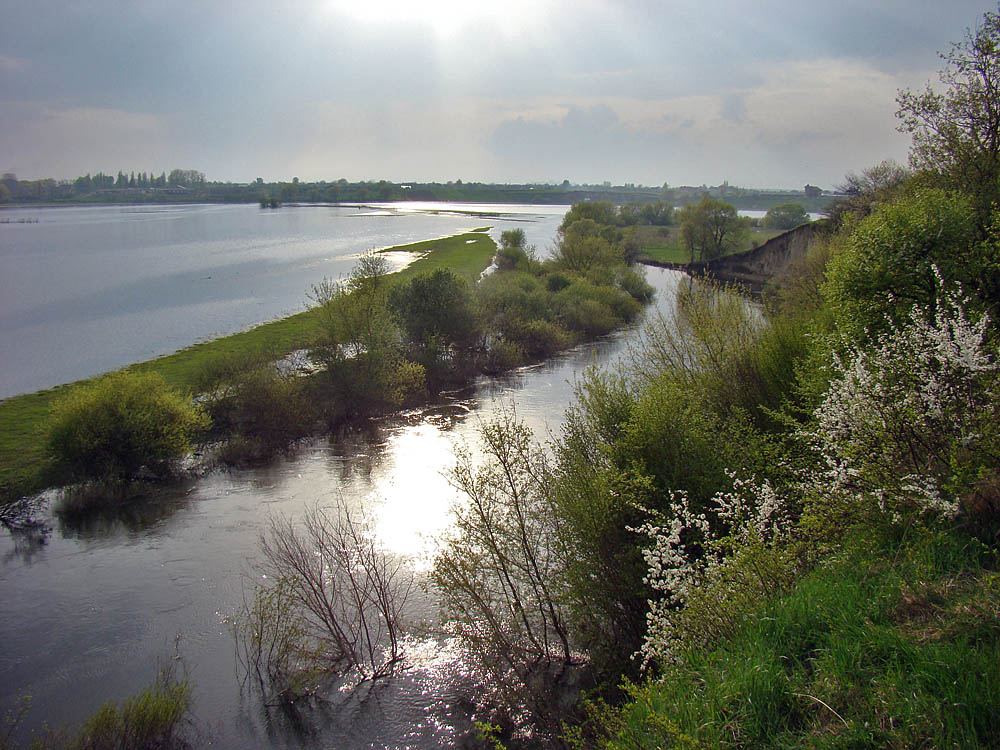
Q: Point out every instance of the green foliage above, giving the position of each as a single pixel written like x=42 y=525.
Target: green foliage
x=585 y=244
x=513 y=238
x=599 y=212
x=360 y=344
x=150 y=719
x=711 y=228
x=657 y=213
x=862 y=192
x=155 y=718
x=956 y=134
x=261 y=410
x=120 y=424
x=635 y=285
x=885 y=646
x=498 y=568
x=887 y=263
x=785 y=216
x=437 y=305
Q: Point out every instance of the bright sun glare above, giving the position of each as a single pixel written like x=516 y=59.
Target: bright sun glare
x=444 y=17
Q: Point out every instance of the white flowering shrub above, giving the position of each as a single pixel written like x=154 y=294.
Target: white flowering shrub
x=710 y=558
x=903 y=422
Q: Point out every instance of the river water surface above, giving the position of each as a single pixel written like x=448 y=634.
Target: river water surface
x=90 y=611
x=87 y=289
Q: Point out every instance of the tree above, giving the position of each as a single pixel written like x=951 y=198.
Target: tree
x=186 y=177
x=498 y=570
x=785 y=216
x=711 y=228
x=328 y=601
x=513 y=238
x=863 y=191
x=956 y=134
x=602 y=212
x=437 y=306
x=585 y=244
x=360 y=340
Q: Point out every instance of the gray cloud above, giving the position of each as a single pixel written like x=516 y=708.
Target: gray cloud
x=229 y=87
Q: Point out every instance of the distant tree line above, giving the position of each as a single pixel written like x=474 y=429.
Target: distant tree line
x=191 y=185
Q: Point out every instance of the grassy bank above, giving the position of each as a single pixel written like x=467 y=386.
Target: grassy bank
x=889 y=644
x=23 y=463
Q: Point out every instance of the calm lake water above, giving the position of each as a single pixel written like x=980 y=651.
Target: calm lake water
x=93 y=288
x=90 y=611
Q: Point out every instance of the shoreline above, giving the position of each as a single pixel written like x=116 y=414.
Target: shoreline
x=22 y=417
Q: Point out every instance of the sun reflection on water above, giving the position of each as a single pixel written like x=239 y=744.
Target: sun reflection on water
x=411 y=504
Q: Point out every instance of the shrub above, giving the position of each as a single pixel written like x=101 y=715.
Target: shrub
x=437 y=305
x=909 y=424
x=497 y=571
x=785 y=216
x=536 y=338
x=502 y=356
x=590 y=317
x=557 y=281
x=150 y=719
x=635 y=285
x=121 y=424
x=888 y=263
x=262 y=410
x=155 y=718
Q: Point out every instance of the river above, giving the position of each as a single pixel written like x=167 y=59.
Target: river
x=90 y=611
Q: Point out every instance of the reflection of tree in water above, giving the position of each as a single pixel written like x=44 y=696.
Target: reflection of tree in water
x=133 y=517
x=28 y=542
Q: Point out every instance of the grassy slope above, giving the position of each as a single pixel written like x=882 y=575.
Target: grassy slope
x=22 y=418
x=888 y=644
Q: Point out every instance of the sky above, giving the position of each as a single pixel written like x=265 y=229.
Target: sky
x=773 y=93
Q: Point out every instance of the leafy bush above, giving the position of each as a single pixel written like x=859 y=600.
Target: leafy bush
x=635 y=285
x=888 y=263
x=261 y=411
x=785 y=216
x=155 y=718
x=557 y=281
x=537 y=339
x=497 y=571
x=121 y=424
x=883 y=646
x=503 y=355
x=437 y=305
x=909 y=424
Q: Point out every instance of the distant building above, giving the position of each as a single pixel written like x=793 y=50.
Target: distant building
x=812 y=191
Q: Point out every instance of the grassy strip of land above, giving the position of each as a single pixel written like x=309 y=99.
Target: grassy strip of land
x=23 y=463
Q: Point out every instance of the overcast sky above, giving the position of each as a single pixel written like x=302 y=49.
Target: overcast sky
x=774 y=93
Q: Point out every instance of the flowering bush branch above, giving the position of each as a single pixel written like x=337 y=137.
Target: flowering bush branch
x=895 y=418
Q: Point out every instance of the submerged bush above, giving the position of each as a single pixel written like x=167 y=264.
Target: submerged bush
x=262 y=411
x=156 y=718
x=120 y=425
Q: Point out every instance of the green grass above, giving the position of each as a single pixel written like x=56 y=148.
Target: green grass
x=887 y=645
x=24 y=467
x=665 y=246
